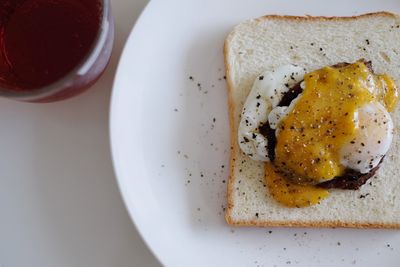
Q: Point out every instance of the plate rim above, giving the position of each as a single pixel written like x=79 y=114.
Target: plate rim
x=111 y=130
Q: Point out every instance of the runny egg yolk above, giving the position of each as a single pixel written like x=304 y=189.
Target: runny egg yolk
x=323 y=120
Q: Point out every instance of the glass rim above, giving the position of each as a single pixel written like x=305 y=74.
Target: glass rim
x=83 y=66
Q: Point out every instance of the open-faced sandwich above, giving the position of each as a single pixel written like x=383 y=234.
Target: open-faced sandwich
x=313 y=116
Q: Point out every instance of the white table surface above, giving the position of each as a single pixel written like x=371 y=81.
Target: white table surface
x=59 y=200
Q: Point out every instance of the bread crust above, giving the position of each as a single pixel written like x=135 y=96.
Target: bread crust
x=234 y=145
x=324 y=18
x=320 y=224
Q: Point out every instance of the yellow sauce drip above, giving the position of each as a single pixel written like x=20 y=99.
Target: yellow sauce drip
x=291 y=194
x=322 y=120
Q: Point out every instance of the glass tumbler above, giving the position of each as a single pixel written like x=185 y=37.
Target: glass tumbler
x=80 y=76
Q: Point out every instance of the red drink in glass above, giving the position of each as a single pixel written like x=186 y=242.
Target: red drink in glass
x=52 y=49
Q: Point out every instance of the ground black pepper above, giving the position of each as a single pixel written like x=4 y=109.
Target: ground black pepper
x=364 y=196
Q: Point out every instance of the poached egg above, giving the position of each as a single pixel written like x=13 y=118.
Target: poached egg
x=340 y=121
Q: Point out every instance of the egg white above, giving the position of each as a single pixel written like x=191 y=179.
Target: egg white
x=265 y=95
x=374 y=134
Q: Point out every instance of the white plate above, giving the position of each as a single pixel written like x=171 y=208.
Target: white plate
x=170 y=155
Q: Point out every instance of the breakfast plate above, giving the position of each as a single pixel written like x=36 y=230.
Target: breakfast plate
x=170 y=142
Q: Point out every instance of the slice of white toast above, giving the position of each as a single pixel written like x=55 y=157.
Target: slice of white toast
x=268 y=42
